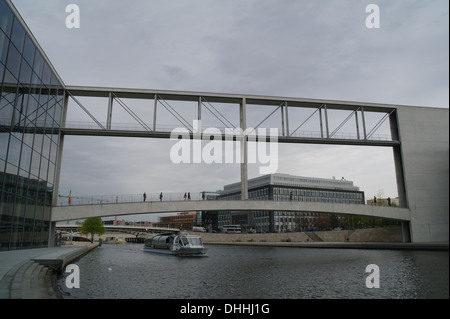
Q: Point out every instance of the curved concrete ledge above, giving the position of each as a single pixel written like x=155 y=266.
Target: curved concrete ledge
x=32 y=281
x=32 y=276
x=59 y=262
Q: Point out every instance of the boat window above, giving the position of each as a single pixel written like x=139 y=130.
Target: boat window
x=185 y=241
x=195 y=241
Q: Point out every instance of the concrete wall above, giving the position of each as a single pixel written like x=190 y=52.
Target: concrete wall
x=384 y=234
x=424 y=135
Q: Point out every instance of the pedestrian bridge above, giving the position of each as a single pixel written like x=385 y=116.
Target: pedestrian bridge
x=74 y=212
x=134 y=230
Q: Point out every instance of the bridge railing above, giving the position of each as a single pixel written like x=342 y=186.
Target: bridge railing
x=126 y=198
x=76 y=200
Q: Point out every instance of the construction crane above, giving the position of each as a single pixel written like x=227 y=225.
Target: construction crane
x=69 y=197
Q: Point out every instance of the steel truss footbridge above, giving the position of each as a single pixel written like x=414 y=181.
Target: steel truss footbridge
x=332 y=122
x=328 y=118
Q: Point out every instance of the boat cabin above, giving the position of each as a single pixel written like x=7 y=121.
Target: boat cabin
x=167 y=241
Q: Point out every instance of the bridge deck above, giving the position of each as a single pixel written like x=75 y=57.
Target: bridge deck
x=64 y=213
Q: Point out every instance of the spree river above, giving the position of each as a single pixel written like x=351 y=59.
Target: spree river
x=125 y=271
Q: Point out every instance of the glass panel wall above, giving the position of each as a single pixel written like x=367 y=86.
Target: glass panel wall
x=31 y=102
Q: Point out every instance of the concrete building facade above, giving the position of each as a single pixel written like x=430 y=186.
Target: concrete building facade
x=422 y=167
x=184 y=221
x=285 y=187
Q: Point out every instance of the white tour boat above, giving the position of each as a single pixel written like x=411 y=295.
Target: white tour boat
x=180 y=245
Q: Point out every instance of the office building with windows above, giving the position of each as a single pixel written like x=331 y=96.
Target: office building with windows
x=31 y=110
x=284 y=187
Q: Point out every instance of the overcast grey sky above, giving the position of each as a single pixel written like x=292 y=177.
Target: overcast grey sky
x=296 y=48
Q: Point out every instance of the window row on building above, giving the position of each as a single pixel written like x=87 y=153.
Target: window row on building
x=266 y=221
x=274 y=187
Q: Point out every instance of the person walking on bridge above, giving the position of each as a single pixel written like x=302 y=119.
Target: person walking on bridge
x=145 y=196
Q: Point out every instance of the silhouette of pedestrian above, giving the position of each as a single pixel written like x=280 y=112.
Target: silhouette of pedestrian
x=189 y=196
x=160 y=197
x=203 y=195
x=185 y=196
x=374 y=200
x=145 y=196
x=389 y=201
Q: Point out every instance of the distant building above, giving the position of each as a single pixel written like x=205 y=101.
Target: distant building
x=181 y=221
x=144 y=223
x=283 y=187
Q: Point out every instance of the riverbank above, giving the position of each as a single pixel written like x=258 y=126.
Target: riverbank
x=390 y=234
x=342 y=245
x=370 y=238
x=30 y=273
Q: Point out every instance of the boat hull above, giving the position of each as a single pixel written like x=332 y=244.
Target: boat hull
x=194 y=252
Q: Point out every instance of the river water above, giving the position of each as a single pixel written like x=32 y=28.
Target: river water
x=230 y=272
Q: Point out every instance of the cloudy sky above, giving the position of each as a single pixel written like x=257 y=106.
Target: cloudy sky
x=295 y=48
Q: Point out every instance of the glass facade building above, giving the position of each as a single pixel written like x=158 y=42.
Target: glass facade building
x=284 y=187
x=31 y=108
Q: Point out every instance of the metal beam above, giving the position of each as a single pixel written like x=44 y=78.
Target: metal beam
x=217 y=114
x=110 y=108
x=86 y=110
x=306 y=120
x=132 y=113
x=154 y=112
x=342 y=124
x=166 y=135
x=378 y=125
x=225 y=98
x=287 y=118
x=282 y=120
x=357 y=124
x=363 y=118
x=199 y=109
